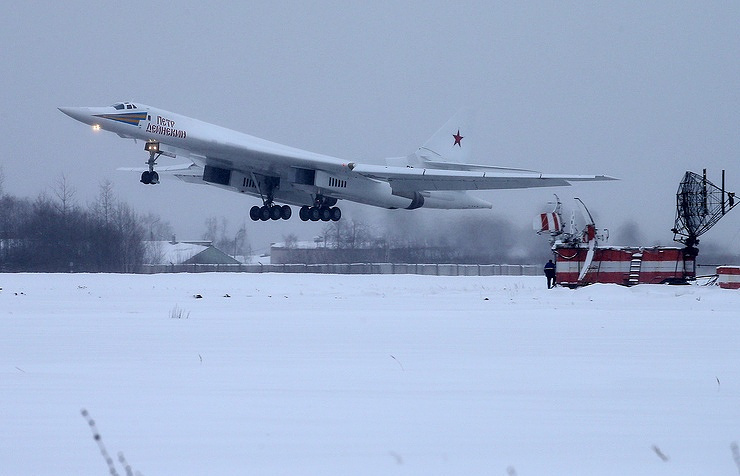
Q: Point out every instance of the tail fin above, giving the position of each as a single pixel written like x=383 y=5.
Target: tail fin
x=452 y=143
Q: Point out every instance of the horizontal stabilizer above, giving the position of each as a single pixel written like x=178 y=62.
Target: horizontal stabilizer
x=181 y=169
x=473 y=167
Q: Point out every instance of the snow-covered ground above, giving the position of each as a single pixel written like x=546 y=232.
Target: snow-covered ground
x=272 y=374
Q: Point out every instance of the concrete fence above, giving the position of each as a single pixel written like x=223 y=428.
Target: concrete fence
x=355 y=268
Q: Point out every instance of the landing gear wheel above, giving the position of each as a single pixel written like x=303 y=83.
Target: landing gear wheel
x=264 y=213
x=276 y=212
x=313 y=214
x=303 y=213
x=336 y=213
x=325 y=213
x=254 y=213
x=148 y=177
x=285 y=212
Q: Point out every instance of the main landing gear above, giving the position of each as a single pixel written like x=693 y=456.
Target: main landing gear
x=277 y=212
x=270 y=212
x=323 y=209
x=322 y=213
x=150 y=176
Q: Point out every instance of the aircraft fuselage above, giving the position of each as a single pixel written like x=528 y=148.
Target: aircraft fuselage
x=240 y=162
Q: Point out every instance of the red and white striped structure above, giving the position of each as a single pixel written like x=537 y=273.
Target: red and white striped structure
x=547 y=222
x=728 y=277
x=624 y=265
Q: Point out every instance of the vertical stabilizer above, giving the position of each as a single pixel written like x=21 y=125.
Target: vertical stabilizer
x=452 y=143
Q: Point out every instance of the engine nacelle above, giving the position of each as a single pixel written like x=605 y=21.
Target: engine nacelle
x=417 y=199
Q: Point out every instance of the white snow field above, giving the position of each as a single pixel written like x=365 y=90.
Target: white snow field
x=352 y=375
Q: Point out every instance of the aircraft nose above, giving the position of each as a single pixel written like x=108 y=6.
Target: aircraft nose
x=81 y=114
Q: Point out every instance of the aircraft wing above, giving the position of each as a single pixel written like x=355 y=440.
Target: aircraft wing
x=412 y=179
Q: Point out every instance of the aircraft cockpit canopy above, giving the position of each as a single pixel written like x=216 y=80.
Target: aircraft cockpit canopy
x=124 y=105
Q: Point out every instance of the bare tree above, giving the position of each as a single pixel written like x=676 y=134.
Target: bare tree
x=157 y=229
x=215 y=229
x=291 y=241
x=105 y=203
x=153 y=252
x=65 y=195
x=347 y=234
x=241 y=244
x=14 y=213
x=130 y=238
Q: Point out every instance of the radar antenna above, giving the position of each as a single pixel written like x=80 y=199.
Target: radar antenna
x=699 y=206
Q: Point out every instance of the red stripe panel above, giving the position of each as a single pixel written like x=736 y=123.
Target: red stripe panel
x=616 y=278
x=728 y=270
x=605 y=254
x=665 y=255
x=729 y=285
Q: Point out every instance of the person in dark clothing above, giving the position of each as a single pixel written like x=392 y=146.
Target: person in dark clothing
x=550 y=274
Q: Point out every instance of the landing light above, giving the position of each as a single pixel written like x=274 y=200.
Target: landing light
x=151 y=146
x=96 y=127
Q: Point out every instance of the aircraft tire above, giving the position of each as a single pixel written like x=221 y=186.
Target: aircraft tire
x=155 y=178
x=303 y=213
x=264 y=213
x=254 y=213
x=336 y=213
x=313 y=214
x=325 y=213
x=146 y=177
x=286 y=212
x=276 y=212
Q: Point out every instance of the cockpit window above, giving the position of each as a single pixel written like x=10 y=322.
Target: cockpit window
x=124 y=105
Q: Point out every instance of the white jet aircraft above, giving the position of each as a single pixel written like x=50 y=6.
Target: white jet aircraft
x=435 y=176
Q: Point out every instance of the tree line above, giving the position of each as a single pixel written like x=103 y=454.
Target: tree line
x=53 y=233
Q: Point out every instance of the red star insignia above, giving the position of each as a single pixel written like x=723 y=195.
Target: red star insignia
x=458 y=139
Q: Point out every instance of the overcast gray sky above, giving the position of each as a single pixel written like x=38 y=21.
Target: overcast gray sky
x=639 y=90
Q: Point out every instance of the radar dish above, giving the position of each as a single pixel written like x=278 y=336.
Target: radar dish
x=699 y=206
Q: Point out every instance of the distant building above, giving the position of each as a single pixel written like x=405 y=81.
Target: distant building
x=185 y=252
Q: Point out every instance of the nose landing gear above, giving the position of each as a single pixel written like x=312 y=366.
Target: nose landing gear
x=150 y=176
